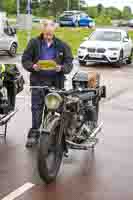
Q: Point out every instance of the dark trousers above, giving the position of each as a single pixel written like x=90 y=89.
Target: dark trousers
x=37 y=101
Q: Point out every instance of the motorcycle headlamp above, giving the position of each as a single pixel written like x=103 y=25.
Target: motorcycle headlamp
x=53 y=101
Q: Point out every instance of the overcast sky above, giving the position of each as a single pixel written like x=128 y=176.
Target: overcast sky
x=117 y=3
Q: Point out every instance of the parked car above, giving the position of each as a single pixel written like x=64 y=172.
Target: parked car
x=35 y=19
x=107 y=46
x=8 y=37
x=85 y=20
x=69 y=19
x=75 y=18
x=130 y=23
x=122 y=23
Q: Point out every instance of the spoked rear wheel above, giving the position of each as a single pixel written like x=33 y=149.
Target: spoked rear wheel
x=50 y=156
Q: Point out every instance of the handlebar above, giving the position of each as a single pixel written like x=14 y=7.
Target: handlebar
x=65 y=92
x=101 y=91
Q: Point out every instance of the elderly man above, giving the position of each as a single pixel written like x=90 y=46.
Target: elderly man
x=45 y=47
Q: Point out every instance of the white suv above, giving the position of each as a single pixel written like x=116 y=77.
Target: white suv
x=8 y=37
x=106 y=46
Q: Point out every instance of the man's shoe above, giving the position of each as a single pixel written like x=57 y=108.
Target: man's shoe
x=31 y=142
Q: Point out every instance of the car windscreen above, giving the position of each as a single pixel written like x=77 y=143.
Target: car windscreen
x=106 y=36
x=71 y=13
x=66 y=16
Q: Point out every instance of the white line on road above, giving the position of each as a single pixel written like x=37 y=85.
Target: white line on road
x=21 y=190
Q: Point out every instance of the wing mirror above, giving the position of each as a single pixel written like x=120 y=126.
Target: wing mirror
x=10 y=31
x=14 y=30
x=125 y=39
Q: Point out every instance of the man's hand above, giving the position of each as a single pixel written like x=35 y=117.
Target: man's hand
x=58 y=68
x=36 y=67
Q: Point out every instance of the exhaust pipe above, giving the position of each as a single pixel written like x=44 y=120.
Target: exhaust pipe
x=96 y=131
x=90 y=143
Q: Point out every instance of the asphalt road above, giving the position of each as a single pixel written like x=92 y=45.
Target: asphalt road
x=4 y=58
x=105 y=174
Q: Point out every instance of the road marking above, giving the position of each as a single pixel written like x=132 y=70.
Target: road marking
x=18 y=192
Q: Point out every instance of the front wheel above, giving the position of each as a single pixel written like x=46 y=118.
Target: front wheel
x=76 y=24
x=120 y=61
x=13 y=50
x=50 y=155
x=129 y=60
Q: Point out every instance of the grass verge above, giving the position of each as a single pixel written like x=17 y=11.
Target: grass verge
x=73 y=36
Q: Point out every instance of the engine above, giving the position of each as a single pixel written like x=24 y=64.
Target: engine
x=74 y=116
x=81 y=110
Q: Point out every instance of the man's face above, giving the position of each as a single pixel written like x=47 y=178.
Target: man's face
x=49 y=30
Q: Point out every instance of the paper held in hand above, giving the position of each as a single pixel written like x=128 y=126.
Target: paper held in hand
x=47 y=64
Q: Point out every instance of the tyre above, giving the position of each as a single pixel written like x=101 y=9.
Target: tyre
x=120 y=61
x=61 y=25
x=82 y=62
x=129 y=60
x=13 y=50
x=50 y=154
x=76 y=24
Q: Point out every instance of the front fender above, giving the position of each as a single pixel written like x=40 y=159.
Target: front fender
x=50 y=123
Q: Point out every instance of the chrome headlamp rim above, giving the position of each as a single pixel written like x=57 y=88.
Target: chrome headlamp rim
x=55 y=99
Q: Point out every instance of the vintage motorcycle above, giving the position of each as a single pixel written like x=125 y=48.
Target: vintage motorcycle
x=70 y=120
x=11 y=83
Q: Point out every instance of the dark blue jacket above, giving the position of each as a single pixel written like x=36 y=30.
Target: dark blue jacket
x=31 y=56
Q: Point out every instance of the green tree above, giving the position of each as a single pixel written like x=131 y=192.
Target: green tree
x=100 y=9
x=127 y=12
x=103 y=20
x=113 y=13
x=1 y=5
x=8 y=6
x=74 y=5
x=92 y=11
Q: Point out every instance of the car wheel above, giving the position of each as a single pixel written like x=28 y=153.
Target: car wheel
x=120 y=61
x=89 y=26
x=76 y=24
x=81 y=62
x=13 y=50
x=129 y=60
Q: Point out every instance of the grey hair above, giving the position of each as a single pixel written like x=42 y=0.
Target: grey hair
x=45 y=22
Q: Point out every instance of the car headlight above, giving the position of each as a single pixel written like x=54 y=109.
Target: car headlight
x=83 y=48
x=53 y=101
x=114 y=49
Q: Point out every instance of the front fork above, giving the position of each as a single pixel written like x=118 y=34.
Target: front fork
x=63 y=128
x=61 y=137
